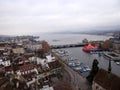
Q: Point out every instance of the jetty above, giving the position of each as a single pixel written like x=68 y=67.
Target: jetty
x=111 y=55
x=68 y=45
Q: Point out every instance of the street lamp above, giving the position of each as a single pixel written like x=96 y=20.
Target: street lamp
x=109 y=67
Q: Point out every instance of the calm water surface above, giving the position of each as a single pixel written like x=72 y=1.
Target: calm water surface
x=60 y=39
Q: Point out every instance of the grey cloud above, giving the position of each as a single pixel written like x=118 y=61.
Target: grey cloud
x=51 y=15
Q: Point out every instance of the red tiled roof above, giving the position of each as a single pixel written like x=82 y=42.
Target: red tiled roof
x=3 y=80
x=26 y=67
x=9 y=68
x=54 y=64
x=29 y=75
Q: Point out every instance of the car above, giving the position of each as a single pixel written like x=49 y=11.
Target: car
x=118 y=63
x=82 y=70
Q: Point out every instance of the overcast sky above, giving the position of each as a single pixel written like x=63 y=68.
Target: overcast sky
x=32 y=16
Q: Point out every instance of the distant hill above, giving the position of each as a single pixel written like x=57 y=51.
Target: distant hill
x=86 y=32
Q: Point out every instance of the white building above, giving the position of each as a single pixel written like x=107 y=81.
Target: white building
x=50 y=58
x=5 y=62
x=47 y=88
x=34 y=46
x=18 y=50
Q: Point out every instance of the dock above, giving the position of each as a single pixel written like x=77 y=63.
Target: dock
x=111 y=55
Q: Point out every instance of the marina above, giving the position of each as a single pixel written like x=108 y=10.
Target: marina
x=81 y=61
x=73 y=62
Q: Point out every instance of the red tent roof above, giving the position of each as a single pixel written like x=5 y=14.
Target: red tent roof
x=89 y=47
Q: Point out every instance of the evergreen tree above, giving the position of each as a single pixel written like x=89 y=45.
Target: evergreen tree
x=94 y=70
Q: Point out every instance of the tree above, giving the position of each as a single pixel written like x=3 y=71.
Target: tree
x=85 y=41
x=100 y=46
x=94 y=70
x=107 y=45
x=40 y=53
x=45 y=47
x=63 y=85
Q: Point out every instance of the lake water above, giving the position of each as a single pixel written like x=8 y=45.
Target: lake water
x=60 y=39
x=86 y=58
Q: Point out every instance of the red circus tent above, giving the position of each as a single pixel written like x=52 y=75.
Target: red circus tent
x=89 y=47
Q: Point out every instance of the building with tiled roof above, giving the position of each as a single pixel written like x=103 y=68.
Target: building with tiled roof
x=106 y=81
x=18 y=50
x=54 y=64
x=3 y=83
x=13 y=83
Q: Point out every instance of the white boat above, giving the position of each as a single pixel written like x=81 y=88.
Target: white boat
x=85 y=67
x=78 y=68
x=88 y=69
x=118 y=63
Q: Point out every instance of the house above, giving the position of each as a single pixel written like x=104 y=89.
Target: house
x=2 y=46
x=50 y=58
x=18 y=50
x=38 y=60
x=26 y=69
x=2 y=70
x=46 y=87
x=54 y=65
x=106 y=81
x=29 y=72
x=12 y=83
x=3 y=83
x=5 y=61
x=5 y=46
x=34 y=46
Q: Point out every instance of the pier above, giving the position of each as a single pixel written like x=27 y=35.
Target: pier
x=68 y=45
x=111 y=55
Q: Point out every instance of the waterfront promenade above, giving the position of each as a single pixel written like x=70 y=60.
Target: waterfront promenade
x=67 y=45
x=78 y=81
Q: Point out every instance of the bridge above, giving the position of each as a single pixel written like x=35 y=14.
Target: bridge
x=68 y=45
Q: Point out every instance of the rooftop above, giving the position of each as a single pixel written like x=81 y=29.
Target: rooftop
x=107 y=80
x=47 y=88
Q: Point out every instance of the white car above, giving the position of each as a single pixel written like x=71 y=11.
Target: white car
x=118 y=63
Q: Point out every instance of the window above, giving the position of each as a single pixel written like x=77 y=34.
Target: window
x=97 y=87
x=23 y=73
